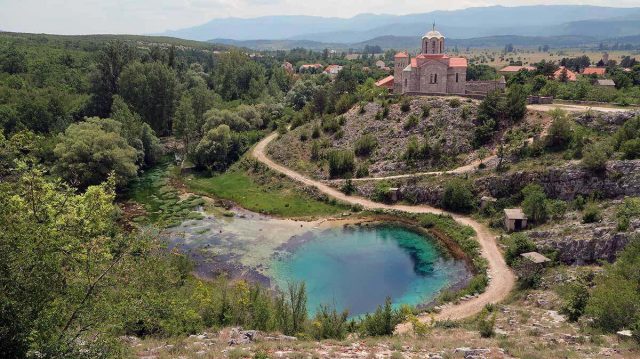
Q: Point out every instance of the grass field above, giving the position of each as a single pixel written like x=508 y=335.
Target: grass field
x=496 y=57
x=262 y=191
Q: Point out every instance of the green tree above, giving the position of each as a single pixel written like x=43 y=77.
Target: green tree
x=138 y=134
x=341 y=163
x=185 y=125
x=90 y=150
x=534 y=204
x=213 y=150
x=458 y=196
x=559 y=134
x=111 y=61
x=152 y=90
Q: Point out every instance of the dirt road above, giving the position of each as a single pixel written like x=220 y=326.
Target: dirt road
x=502 y=278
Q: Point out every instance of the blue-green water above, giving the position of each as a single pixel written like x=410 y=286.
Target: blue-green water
x=357 y=268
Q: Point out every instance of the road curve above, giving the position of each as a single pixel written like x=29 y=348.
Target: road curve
x=502 y=278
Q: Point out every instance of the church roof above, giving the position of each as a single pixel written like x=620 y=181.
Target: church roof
x=433 y=34
x=457 y=62
x=453 y=61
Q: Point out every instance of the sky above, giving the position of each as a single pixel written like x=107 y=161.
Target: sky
x=155 y=16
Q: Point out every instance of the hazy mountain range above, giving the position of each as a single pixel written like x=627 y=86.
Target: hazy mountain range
x=558 y=22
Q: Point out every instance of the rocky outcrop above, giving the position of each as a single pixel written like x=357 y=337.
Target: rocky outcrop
x=603 y=246
x=622 y=178
x=607 y=122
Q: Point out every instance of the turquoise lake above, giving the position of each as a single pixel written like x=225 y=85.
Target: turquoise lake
x=357 y=267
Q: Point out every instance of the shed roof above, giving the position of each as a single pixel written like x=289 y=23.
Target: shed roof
x=606 y=82
x=535 y=257
x=600 y=71
x=387 y=81
x=514 y=213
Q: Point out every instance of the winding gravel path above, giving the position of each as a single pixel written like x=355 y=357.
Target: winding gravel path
x=502 y=278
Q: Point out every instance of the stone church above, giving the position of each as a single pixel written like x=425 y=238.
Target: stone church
x=430 y=72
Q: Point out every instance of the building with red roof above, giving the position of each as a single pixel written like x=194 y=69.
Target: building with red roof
x=514 y=69
x=386 y=82
x=571 y=76
x=432 y=71
x=598 y=71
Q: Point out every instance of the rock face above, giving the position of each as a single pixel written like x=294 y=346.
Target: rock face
x=622 y=178
x=603 y=246
x=607 y=122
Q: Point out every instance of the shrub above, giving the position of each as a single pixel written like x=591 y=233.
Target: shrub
x=534 y=204
x=341 y=163
x=486 y=322
x=458 y=196
x=426 y=110
x=348 y=187
x=591 y=213
x=411 y=122
x=329 y=324
x=631 y=149
x=315 y=132
x=362 y=170
x=385 y=111
x=330 y=125
x=556 y=209
x=559 y=134
x=315 y=151
x=383 y=321
x=595 y=158
x=454 y=102
x=575 y=300
x=517 y=244
x=381 y=191
x=365 y=145
x=304 y=136
x=405 y=106
x=630 y=208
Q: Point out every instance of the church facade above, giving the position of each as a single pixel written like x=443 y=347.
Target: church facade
x=430 y=72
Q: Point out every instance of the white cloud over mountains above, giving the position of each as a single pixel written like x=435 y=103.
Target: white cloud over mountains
x=152 y=16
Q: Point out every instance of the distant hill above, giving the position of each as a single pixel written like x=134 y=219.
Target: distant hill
x=538 y=20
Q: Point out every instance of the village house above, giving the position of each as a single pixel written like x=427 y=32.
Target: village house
x=386 y=82
x=514 y=219
x=598 y=71
x=570 y=75
x=510 y=70
x=333 y=70
x=432 y=72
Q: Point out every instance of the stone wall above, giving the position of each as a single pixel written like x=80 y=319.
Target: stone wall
x=484 y=87
x=603 y=245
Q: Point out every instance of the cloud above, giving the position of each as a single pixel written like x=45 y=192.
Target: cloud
x=152 y=16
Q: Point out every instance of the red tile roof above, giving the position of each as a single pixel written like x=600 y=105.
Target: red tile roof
x=457 y=62
x=600 y=71
x=570 y=74
x=517 y=68
x=385 y=82
x=401 y=54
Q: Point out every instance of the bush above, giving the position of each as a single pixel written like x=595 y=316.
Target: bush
x=556 y=209
x=329 y=324
x=362 y=171
x=365 y=145
x=341 y=163
x=458 y=196
x=381 y=191
x=595 y=158
x=534 y=204
x=631 y=149
x=348 y=188
x=405 y=106
x=426 y=110
x=629 y=209
x=575 y=300
x=559 y=134
x=486 y=322
x=330 y=125
x=591 y=213
x=315 y=151
x=411 y=122
x=304 y=136
x=383 y=321
x=315 y=132
x=454 y=102
x=517 y=244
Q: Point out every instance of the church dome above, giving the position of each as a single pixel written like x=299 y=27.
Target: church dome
x=433 y=34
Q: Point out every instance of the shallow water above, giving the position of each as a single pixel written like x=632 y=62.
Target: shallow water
x=353 y=267
x=356 y=268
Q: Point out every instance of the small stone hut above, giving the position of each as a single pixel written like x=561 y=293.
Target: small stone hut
x=514 y=219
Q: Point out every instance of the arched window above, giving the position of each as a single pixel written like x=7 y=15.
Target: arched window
x=441 y=46
x=435 y=78
x=433 y=46
x=457 y=76
x=405 y=82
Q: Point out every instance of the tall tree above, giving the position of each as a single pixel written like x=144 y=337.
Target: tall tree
x=110 y=63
